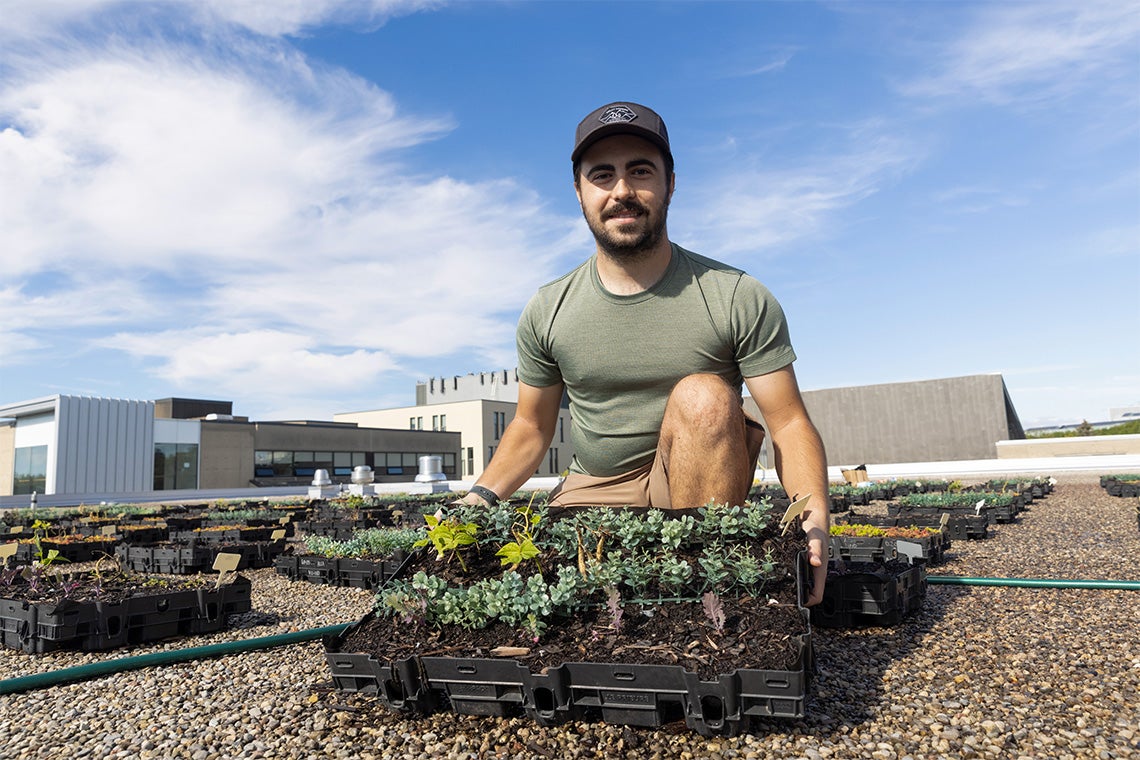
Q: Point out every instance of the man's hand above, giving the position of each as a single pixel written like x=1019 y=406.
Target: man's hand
x=817 y=559
x=469 y=500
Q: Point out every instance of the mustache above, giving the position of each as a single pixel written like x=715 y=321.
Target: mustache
x=621 y=207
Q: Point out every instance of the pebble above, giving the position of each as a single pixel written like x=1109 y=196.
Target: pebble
x=980 y=672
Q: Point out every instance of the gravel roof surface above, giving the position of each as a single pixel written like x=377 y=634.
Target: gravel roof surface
x=979 y=672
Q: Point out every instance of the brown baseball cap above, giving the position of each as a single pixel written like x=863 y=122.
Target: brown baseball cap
x=621 y=118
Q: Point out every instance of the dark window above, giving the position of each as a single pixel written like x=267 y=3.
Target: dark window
x=30 y=473
x=175 y=466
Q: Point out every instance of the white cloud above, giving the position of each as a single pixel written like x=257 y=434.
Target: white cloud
x=253 y=212
x=1035 y=51
x=274 y=362
x=761 y=209
x=265 y=17
x=280 y=17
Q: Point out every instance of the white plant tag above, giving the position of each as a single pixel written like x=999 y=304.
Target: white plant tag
x=944 y=521
x=8 y=550
x=978 y=507
x=227 y=562
x=795 y=509
x=277 y=535
x=110 y=530
x=910 y=550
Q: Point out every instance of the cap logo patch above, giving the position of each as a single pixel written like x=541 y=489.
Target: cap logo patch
x=617 y=114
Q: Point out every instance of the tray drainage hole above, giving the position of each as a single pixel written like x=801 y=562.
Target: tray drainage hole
x=544 y=702
x=394 y=693
x=712 y=711
x=467 y=669
x=623 y=675
x=114 y=625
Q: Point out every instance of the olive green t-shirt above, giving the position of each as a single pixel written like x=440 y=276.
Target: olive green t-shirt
x=620 y=356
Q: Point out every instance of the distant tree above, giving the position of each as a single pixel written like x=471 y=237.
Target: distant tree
x=1084 y=428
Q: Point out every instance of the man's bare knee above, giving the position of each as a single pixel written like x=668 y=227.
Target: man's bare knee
x=704 y=401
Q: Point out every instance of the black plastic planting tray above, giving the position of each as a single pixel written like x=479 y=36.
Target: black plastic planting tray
x=338 y=571
x=187 y=559
x=628 y=694
x=621 y=693
x=927 y=549
x=870 y=594
x=39 y=627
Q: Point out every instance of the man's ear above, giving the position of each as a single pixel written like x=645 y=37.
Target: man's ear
x=672 y=186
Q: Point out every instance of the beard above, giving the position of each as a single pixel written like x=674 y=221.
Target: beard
x=643 y=233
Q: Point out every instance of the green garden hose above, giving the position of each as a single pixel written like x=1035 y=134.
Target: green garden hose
x=109 y=667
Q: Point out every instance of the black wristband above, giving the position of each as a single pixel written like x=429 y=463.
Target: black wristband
x=486 y=494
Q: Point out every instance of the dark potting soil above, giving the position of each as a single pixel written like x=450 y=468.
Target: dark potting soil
x=757 y=633
x=111 y=587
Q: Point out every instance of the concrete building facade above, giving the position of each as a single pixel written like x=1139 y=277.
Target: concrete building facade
x=70 y=444
x=479 y=406
x=74 y=444
x=947 y=419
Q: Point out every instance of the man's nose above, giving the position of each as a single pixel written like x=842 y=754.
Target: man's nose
x=622 y=189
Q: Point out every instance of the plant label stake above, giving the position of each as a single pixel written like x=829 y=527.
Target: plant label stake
x=944 y=522
x=7 y=550
x=910 y=550
x=227 y=562
x=277 y=535
x=110 y=530
x=795 y=509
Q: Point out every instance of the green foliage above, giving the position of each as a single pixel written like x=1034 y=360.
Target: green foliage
x=371 y=543
x=955 y=500
x=524 y=529
x=858 y=530
x=1132 y=427
x=605 y=554
x=449 y=535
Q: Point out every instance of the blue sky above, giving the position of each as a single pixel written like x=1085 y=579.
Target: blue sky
x=307 y=207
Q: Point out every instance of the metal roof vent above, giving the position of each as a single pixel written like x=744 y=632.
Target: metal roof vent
x=431 y=469
x=362 y=474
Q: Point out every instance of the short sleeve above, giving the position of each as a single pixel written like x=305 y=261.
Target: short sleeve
x=537 y=366
x=762 y=343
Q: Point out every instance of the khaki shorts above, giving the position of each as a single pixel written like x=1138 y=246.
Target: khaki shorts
x=647 y=486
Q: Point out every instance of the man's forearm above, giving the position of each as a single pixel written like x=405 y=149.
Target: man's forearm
x=518 y=455
x=801 y=465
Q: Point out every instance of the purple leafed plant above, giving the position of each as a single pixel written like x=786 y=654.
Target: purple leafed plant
x=613 y=604
x=8 y=576
x=714 y=610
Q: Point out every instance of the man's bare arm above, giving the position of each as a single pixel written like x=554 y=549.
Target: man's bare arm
x=525 y=441
x=801 y=463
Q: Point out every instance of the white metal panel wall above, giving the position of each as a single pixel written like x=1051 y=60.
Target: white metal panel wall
x=105 y=445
